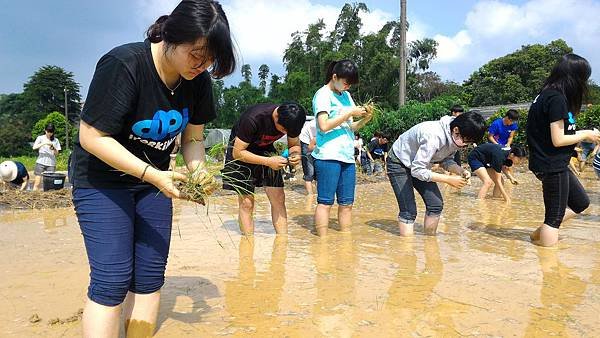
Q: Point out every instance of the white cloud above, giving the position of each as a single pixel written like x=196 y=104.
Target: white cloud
x=452 y=48
x=263 y=30
x=492 y=28
x=495 y=28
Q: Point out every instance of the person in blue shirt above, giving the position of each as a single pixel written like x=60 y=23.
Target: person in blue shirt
x=15 y=174
x=502 y=131
x=334 y=151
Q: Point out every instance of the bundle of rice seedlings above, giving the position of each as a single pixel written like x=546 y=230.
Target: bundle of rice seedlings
x=201 y=183
x=372 y=108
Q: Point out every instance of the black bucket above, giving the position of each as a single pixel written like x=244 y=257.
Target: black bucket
x=53 y=181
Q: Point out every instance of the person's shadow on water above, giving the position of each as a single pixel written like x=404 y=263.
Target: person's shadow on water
x=192 y=292
x=387 y=225
x=308 y=222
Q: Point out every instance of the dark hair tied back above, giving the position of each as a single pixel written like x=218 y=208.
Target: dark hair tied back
x=155 y=32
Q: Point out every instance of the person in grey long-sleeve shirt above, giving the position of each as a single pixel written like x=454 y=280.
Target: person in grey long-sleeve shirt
x=414 y=152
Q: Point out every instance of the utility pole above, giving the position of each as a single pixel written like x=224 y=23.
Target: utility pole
x=66 y=122
x=402 y=93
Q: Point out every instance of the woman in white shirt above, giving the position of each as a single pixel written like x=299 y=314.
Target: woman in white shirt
x=48 y=147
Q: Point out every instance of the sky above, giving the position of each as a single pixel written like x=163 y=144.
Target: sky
x=74 y=34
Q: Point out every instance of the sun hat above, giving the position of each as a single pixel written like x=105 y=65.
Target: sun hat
x=8 y=171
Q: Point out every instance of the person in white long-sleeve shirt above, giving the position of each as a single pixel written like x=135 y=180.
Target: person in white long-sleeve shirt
x=48 y=147
x=410 y=161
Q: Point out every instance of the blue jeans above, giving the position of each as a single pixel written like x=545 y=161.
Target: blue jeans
x=403 y=184
x=335 y=178
x=127 y=233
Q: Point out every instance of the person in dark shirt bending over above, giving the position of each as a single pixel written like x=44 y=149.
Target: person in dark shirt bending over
x=252 y=161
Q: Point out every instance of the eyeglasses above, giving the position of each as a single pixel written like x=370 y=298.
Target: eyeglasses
x=200 y=59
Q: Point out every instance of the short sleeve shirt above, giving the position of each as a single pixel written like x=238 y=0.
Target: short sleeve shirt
x=501 y=132
x=257 y=128
x=46 y=153
x=22 y=173
x=377 y=150
x=337 y=143
x=548 y=107
x=491 y=155
x=128 y=101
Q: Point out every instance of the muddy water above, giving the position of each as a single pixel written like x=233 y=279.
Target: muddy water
x=480 y=276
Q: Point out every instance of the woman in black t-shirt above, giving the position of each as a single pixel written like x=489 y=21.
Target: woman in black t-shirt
x=552 y=135
x=142 y=96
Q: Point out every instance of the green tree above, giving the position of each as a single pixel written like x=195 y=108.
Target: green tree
x=12 y=105
x=421 y=53
x=594 y=93
x=247 y=73
x=376 y=54
x=274 y=85
x=348 y=25
x=263 y=74
x=45 y=93
x=15 y=137
x=516 y=77
x=236 y=99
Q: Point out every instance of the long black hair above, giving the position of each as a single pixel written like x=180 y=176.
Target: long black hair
x=343 y=69
x=570 y=77
x=195 y=19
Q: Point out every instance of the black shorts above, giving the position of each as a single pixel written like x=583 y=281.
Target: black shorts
x=243 y=177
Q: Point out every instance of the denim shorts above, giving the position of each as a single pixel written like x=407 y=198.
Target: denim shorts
x=404 y=184
x=308 y=163
x=335 y=178
x=127 y=233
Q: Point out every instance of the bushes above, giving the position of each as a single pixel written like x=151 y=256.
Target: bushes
x=395 y=122
x=29 y=161
x=590 y=118
x=59 y=122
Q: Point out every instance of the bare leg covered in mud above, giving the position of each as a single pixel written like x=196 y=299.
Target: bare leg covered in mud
x=278 y=212
x=322 y=219
x=245 y=214
x=141 y=312
x=546 y=235
x=430 y=225
x=345 y=217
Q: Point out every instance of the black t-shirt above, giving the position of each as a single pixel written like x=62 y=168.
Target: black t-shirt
x=128 y=100
x=377 y=150
x=257 y=128
x=491 y=155
x=21 y=173
x=550 y=106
